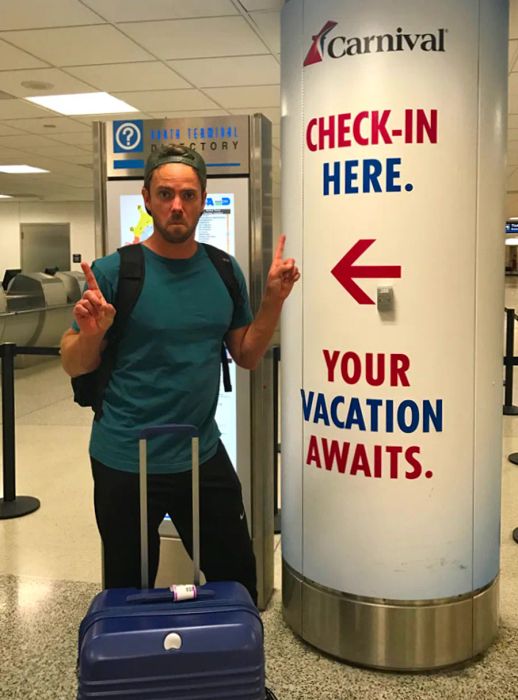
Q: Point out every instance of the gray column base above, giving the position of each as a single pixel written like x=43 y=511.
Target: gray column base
x=387 y=634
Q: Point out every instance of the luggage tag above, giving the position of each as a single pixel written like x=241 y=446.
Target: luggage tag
x=175 y=594
x=185 y=592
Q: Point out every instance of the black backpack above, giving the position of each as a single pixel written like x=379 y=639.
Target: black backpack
x=89 y=388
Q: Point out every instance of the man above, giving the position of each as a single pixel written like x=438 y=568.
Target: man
x=167 y=371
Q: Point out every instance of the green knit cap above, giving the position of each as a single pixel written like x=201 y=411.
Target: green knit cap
x=177 y=154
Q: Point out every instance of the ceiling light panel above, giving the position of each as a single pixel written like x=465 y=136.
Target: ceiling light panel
x=83 y=103
x=20 y=169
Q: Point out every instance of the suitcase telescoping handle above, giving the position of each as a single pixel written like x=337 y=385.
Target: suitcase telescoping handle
x=181 y=431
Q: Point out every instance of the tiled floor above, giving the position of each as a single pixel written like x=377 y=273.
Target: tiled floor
x=50 y=564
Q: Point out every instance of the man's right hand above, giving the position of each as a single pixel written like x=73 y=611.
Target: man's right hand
x=92 y=313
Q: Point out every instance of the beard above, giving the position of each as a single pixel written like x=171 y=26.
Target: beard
x=180 y=236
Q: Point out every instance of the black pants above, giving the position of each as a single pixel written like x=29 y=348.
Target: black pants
x=225 y=548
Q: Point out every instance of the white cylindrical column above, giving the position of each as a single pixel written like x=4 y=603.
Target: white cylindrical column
x=393 y=136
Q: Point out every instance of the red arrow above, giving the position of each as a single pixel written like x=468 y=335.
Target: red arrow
x=345 y=271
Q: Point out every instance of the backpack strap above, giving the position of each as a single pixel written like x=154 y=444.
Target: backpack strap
x=223 y=264
x=129 y=286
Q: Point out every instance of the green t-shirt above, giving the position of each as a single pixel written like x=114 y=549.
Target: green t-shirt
x=168 y=361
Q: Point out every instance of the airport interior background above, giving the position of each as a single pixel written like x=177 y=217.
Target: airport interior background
x=224 y=60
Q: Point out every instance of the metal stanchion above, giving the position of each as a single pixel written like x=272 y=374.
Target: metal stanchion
x=11 y=505
x=509 y=362
x=276 y=445
x=509 y=409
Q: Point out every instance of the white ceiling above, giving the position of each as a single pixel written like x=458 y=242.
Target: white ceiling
x=165 y=57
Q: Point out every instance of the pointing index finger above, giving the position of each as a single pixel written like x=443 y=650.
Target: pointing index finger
x=90 y=277
x=279 y=251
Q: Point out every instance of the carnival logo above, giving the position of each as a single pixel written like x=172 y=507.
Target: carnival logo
x=314 y=54
x=340 y=46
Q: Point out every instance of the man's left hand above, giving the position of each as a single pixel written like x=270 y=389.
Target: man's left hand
x=282 y=275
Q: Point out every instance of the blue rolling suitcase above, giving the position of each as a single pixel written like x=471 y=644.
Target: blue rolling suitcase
x=145 y=645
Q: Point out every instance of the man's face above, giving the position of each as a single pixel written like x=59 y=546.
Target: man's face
x=175 y=201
